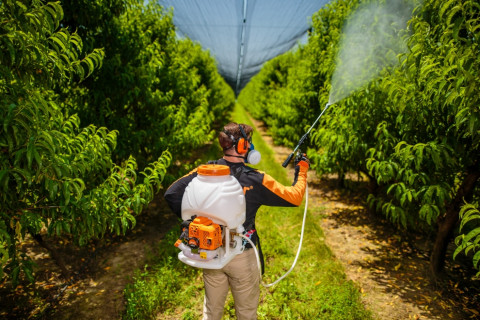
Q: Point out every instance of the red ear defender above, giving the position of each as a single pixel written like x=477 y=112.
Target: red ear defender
x=241 y=146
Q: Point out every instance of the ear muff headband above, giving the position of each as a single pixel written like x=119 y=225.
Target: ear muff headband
x=241 y=145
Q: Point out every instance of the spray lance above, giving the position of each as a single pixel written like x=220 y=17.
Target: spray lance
x=285 y=164
x=304 y=137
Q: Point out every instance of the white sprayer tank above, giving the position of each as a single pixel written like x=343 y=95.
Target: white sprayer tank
x=217 y=195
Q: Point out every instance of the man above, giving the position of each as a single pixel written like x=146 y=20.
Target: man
x=241 y=274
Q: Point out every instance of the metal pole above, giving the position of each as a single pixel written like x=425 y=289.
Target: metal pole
x=242 y=46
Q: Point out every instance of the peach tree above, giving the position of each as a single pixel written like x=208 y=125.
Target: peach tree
x=57 y=177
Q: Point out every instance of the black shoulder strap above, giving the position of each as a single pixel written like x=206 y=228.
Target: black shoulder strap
x=260 y=253
x=236 y=171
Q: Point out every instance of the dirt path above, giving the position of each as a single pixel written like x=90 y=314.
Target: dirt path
x=389 y=268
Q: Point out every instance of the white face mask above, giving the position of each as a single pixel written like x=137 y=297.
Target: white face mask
x=253 y=156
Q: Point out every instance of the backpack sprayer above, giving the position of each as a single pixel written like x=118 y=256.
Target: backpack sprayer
x=213 y=213
x=213 y=210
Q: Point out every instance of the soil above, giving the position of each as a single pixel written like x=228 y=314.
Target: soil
x=390 y=267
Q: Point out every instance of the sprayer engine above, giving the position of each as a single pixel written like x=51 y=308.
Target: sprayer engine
x=201 y=240
x=204 y=234
x=199 y=236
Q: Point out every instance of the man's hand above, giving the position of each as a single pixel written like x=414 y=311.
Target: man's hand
x=301 y=160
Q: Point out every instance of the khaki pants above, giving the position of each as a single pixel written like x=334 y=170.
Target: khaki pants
x=242 y=275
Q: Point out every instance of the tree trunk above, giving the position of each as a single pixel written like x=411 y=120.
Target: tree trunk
x=372 y=188
x=54 y=254
x=447 y=223
x=341 y=180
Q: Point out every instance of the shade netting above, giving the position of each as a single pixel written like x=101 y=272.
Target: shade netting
x=243 y=34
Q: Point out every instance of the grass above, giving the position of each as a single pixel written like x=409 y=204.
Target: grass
x=316 y=289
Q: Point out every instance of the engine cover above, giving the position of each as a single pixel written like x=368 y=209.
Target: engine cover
x=204 y=234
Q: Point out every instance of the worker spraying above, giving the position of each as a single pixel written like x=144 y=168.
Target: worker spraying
x=219 y=236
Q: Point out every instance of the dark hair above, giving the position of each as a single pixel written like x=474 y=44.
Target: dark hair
x=231 y=133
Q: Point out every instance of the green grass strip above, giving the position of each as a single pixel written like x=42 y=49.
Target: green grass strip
x=316 y=289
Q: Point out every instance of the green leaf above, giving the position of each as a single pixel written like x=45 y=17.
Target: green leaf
x=58 y=228
x=66 y=192
x=419 y=155
x=21 y=6
x=472 y=234
x=4 y=178
x=452 y=12
x=79 y=186
x=473 y=124
x=476 y=260
x=28 y=272
x=30 y=151
x=14 y=276
x=59 y=41
x=25 y=174
x=467 y=213
x=38 y=160
x=460 y=247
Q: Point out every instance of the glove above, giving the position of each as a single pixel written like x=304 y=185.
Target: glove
x=301 y=160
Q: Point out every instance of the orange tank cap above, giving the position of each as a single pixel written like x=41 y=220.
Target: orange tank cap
x=213 y=170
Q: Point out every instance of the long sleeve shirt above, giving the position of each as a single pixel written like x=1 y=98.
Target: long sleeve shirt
x=259 y=189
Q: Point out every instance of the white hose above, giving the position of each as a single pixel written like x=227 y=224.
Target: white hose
x=298 y=251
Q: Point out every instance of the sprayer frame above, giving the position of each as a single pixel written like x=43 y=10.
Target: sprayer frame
x=227 y=253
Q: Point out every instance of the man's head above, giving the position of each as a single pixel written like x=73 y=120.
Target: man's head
x=232 y=134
